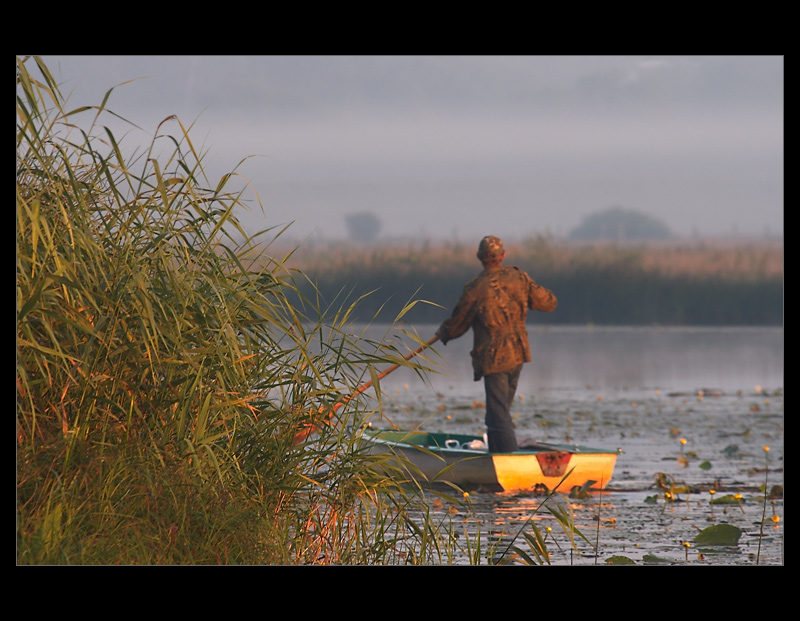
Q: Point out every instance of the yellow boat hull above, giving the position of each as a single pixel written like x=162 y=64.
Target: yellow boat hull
x=436 y=458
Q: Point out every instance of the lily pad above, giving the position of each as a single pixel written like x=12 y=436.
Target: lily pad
x=776 y=491
x=620 y=560
x=706 y=465
x=719 y=535
x=652 y=559
x=727 y=499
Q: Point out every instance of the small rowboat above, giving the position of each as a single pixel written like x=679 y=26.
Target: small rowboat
x=465 y=461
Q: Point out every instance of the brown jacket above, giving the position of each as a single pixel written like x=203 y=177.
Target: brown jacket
x=495 y=305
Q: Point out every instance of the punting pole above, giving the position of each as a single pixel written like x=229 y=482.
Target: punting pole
x=312 y=427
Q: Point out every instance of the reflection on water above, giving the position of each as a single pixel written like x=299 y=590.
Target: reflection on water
x=512 y=515
x=637 y=389
x=618 y=359
x=643 y=527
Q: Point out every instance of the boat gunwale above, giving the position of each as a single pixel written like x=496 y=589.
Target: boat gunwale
x=373 y=435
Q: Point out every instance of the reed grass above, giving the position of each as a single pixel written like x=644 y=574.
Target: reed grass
x=733 y=258
x=160 y=376
x=166 y=359
x=679 y=283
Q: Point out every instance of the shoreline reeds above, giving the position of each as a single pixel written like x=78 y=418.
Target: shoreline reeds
x=602 y=284
x=165 y=361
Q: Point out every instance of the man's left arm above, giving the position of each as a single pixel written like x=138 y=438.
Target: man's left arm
x=541 y=299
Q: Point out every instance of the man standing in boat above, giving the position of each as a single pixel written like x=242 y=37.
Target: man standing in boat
x=495 y=305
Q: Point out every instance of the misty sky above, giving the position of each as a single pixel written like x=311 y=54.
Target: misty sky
x=460 y=147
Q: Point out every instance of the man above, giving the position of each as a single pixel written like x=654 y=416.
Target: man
x=495 y=305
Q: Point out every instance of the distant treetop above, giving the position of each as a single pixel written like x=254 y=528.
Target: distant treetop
x=619 y=224
x=362 y=227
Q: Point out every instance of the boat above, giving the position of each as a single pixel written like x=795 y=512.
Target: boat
x=464 y=460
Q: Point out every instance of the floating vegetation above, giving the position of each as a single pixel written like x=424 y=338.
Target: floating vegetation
x=719 y=535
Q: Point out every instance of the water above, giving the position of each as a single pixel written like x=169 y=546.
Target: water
x=695 y=407
x=585 y=361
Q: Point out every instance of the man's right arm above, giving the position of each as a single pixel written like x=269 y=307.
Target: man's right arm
x=459 y=322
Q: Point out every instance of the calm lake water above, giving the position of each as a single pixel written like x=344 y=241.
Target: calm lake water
x=614 y=360
x=692 y=406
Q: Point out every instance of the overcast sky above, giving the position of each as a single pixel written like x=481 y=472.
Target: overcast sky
x=460 y=147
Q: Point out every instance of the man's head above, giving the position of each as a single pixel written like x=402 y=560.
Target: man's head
x=490 y=250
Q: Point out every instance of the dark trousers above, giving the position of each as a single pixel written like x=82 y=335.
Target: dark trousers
x=500 y=391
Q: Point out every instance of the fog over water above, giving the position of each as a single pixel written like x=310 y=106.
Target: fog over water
x=444 y=147
x=583 y=361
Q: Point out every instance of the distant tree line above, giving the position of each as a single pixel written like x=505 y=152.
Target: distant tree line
x=620 y=224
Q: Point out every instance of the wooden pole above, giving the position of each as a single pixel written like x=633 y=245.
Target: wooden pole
x=312 y=427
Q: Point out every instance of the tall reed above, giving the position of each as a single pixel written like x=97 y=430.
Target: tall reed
x=162 y=369
x=167 y=358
